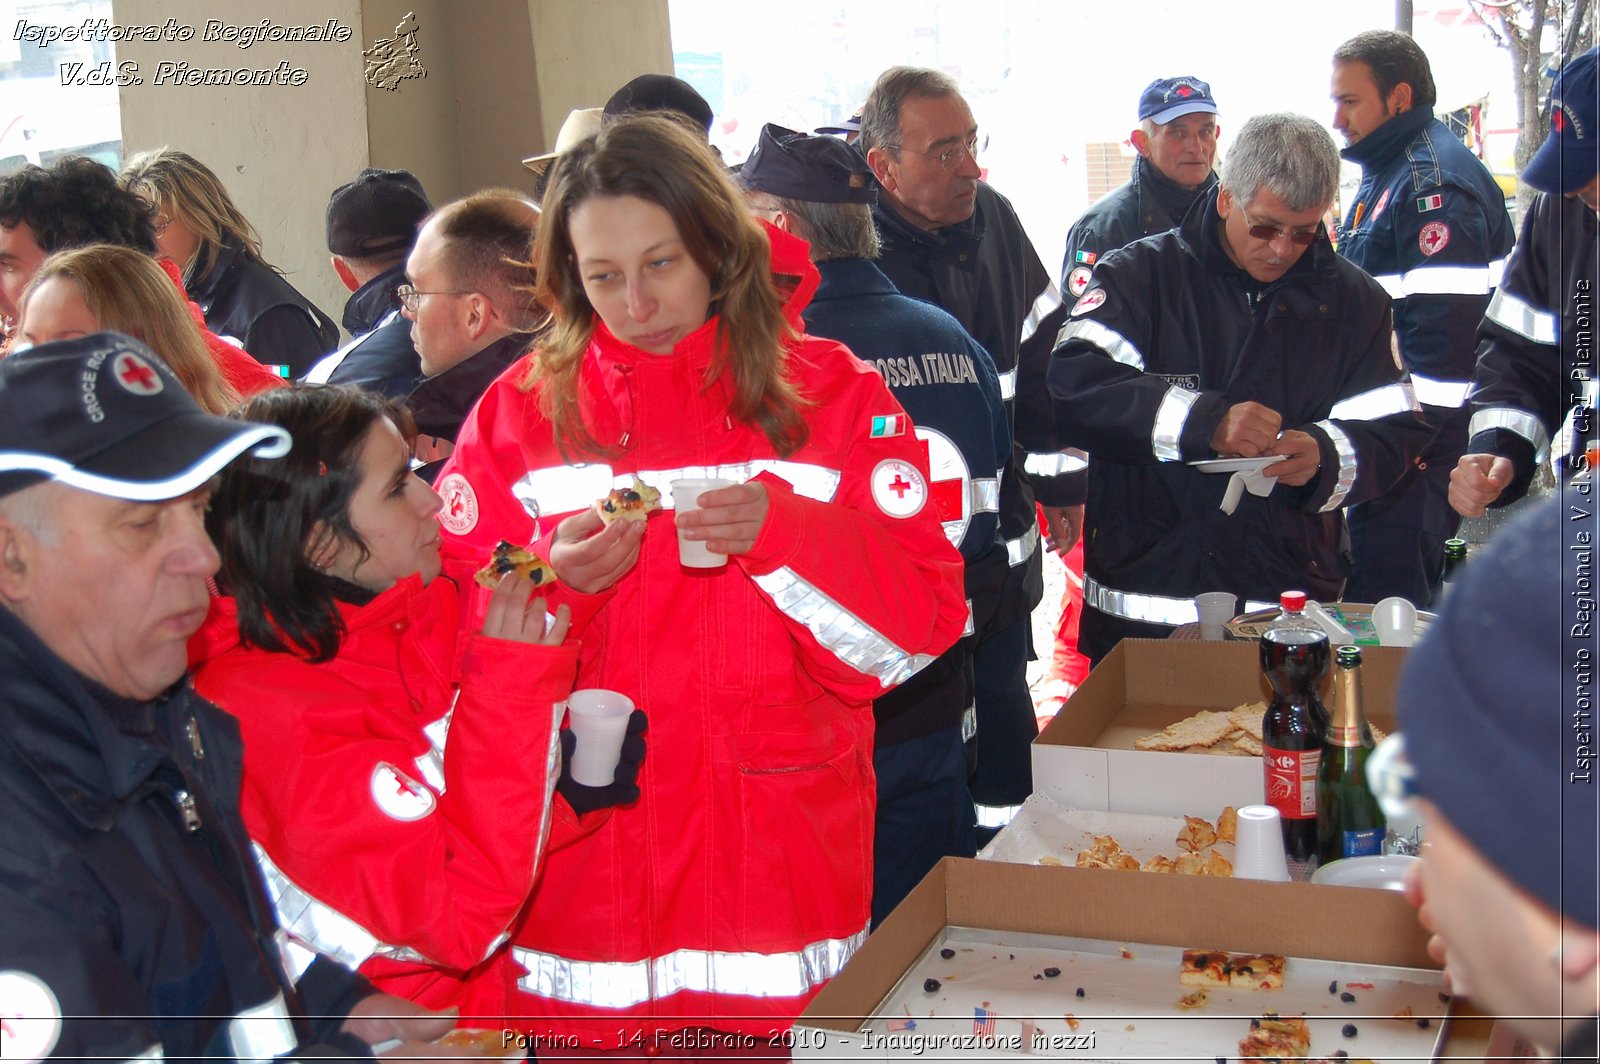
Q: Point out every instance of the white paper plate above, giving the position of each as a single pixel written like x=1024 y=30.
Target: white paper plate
x=1235 y=465
x=1382 y=873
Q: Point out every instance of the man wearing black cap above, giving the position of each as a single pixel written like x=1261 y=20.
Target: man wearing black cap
x=1430 y=224
x=818 y=189
x=371 y=226
x=951 y=240
x=133 y=923
x=1498 y=739
x=661 y=93
x=1177 y=143
x=1536 y=357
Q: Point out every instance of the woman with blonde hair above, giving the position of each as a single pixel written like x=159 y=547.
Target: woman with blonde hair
x=104 y=286
x=243 y=295
x=739 y=883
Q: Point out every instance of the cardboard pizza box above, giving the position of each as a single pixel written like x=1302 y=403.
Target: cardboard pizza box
x=1085 y=758
x=1329 y=924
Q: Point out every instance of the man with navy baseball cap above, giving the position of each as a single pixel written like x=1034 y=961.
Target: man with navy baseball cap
x=1177 y=143
x=133 y=920
x=1534 y=393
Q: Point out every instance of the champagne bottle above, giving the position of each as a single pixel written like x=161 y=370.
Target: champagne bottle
x=1349 y=821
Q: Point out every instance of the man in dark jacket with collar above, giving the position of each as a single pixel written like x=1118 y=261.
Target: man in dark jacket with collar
x=371 y=227
x=1429 y=223
x=471 y=309
x=133 y=921
x=1239 y=335
x=1536 y=365
x=1177 y=143
x=818 y=189
x=951 y=240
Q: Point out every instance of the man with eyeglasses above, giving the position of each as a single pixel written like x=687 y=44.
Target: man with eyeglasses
x=1240 y=334
x=951 y=240
x=470 y=307
x=1429 y=222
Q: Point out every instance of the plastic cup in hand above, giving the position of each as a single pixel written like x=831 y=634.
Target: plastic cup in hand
x=1395 y=619
x=1216 y=610
x=599 y=720
x=1258 y=845
x=685 y=497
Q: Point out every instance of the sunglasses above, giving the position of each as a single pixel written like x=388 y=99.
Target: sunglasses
x=1300 y=238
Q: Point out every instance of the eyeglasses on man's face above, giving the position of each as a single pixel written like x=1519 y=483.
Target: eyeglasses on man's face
x=1300 y=238
x=950 y=157
x=410 y=298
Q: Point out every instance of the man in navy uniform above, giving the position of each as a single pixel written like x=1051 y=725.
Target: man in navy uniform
x=1430 y=224
x=818 y=189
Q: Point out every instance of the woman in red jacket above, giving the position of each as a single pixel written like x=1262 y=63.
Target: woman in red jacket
x=343 y=655
x=739 y=883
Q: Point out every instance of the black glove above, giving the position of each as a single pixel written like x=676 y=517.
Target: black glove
x=621 y=790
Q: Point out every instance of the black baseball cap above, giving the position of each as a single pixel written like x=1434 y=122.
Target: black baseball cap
x=660 y=92
x=377 y=212
x=806 y=167
x=104 y=414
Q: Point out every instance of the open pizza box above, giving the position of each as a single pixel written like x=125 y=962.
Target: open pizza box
x=1085 y=758
x=1119 y=937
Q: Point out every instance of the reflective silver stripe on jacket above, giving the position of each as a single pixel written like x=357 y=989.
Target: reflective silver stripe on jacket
x=1048 y=301
x=567 y=489
x=153 y=1053
x=1347 y=465
x=1170 y=418
x=1443 y=280
x=994 y=816
x=1151 y=609
x=1524 y=424
x=1377 y=403
x=320 y=927
x=985 y=495
x=1055 y=463
x=1435 y=392
x=969 y=722
x=431 y=764
x=1522 y=318
x=1008 y=385
x=1108 y=340
x=622 y=984
x=262 y=1033
x=1019 y=550
x=971 y=627
x=846 y=636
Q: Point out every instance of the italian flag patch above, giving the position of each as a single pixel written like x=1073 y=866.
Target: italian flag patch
x=885 y=425
x=1430 y=203
x=1086 y=257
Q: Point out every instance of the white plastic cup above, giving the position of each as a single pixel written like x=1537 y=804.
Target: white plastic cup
x=694 y=553
x=1395 y=620
x=1216 y=610
x=1258 y=845
x=599 y=720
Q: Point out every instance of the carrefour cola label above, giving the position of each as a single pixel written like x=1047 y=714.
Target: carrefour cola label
x=1291 y=781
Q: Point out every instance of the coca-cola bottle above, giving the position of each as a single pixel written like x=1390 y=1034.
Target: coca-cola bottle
x=1294 y=655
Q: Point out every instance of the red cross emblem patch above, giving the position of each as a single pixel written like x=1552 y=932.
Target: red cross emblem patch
x=898 y=488
x=399 y=796
x=1433 y=238
x=460 y=511
x=1183 y=91
x=136 y=375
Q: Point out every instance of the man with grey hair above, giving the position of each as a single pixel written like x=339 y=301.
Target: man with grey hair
x=1239 y=335
x=818 y=189
x=951 y=240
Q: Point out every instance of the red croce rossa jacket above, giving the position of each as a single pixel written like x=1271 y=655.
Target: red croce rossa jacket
x=399 y=795
x=740 y=881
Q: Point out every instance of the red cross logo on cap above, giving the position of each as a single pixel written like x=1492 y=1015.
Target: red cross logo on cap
x=137 y=375
x=1558 y=121
x=1182 y=91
